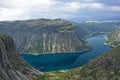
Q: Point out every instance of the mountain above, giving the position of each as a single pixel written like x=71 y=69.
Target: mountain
x=53 y=36
x=46 y=36
x=12 y=66
x=113 y=39
x=104 y=67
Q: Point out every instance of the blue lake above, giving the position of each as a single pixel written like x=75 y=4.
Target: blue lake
x=53 y=62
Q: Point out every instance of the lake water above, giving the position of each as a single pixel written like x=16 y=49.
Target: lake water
x=53 y=62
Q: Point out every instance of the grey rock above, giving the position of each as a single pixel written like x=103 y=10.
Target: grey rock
x=12 y=66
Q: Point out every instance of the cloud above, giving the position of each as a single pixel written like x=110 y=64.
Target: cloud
x=115 y=8
x=75 y=6
x=66 y=9
x=24 y=9
x=10 y=13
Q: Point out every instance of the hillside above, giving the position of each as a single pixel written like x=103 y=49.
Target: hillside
x=113 y=39
x=12 y=66
x=105 y=67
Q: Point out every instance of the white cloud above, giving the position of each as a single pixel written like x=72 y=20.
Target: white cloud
x=25 y=9
x=24 y=3
x=96 y=5
x=9 y=14
x=75 y=6
x=87 y=1
x=71 y=6
x=115 y=8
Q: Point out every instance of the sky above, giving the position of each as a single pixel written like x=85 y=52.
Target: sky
x=75 y=10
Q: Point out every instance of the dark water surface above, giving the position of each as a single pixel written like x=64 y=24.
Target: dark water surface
x=53 y=62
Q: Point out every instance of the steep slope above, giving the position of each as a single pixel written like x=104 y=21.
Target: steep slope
x=105 y=67
x=46 y=36
x=12 y=66
x=113 y=39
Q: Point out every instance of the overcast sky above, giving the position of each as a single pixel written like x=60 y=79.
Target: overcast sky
x=65 y=9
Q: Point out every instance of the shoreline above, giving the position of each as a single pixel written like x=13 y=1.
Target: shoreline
x=84 y=51
x=105 y=43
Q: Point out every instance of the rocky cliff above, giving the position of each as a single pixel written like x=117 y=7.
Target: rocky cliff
x=46 y=36
x=12 y=66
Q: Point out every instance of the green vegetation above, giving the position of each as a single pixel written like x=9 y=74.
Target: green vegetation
x=60 y=75
x=4 y=36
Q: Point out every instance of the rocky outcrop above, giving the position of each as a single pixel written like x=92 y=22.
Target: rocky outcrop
x=12 y=66
x=46 y=36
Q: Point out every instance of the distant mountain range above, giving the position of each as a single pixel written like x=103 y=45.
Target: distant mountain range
x=107 y=21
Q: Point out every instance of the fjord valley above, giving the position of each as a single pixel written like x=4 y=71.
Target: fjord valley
x=104 y=67
x=59 y=40
x=57 y=36
x=66 y=61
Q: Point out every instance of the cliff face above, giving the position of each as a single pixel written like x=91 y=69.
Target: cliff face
x=46 y=36
x=12 y=66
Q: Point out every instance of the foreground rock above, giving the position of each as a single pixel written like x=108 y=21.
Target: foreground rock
x=12 y=66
